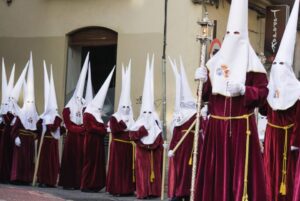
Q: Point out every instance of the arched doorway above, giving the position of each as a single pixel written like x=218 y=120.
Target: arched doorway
x=102 y=44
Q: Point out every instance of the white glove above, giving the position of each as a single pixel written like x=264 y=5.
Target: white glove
x=261 y=144
x=18 y=142
x=204 y=111
x=170 y=153
x=293 y=148
x=201 y=74
x=236 y=89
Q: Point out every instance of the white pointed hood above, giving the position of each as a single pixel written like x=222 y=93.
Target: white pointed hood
x=51 y=111
x=185 y=103
x=284 y=87
x=124 y=111
x=177 y=85
x=187 y=98
x=148 y=116
x=46 y=86
x=29 y=115
x=11 y=81
x=95 y=107
x=13 y=106
x=6 y=88
x=25 y=93
x=77 y=102
x=89 y=87
x=231 y=62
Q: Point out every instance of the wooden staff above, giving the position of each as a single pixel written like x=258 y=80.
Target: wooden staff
x=163 y=172
x=164 y=109
x=196 y=135
x=108 y=151
x=183 y=137
x=38 y=157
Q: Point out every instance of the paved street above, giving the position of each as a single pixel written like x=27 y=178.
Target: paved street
x=28 y=193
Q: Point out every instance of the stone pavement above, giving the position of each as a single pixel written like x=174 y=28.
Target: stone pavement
x=28 y=193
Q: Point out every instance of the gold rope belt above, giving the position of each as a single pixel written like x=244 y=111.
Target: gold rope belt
x=284 y=160
x=191 y=157
x=152 y=175
x=49 y=137
x=248 y=133
x=26 y=133
x=133 y=154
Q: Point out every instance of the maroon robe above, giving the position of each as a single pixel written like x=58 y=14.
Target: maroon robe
x=144 y=186
x=120 y=180
x=6 y=149
x=220 y=174
x=93 y=173
x=2 y=126
x=23 y=156
x=72 y=159
x=180 y=165
x=273 y=152
x=296 y=143
x=49 y=158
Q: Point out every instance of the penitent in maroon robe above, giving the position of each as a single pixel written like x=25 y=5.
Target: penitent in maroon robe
x=180 y=165
x=145 y=155
x=120 y=178
x=220 y=174
x=6 y=149
x=274 y=150
x=72 y=159
x=296 y=143
x=93 y=173
x=49 y=158
x=23 y=156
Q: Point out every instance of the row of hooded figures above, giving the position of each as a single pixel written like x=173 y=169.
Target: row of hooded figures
x=233 y=164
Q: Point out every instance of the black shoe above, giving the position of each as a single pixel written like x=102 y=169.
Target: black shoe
x=186 y=198
x=89 y=190
x=50 y=186
x=68 y=188
x=42 y=185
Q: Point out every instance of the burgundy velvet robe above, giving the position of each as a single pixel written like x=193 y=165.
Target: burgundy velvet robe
x=144 y=187
x=273 y=153
x=2 y=126
x=296 y=143
x=49 y=158
x=23 y=156
x=93 y=173
x=180 y=168
x=120 y=176
x=6 y=149
x=72 y=159
x=220 y=174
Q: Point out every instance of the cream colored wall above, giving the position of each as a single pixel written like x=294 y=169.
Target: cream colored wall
x=42 y=25
x=52 y=49
x=296 y=57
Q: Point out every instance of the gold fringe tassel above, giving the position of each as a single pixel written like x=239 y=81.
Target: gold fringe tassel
x=283 y=188
x=152 y=175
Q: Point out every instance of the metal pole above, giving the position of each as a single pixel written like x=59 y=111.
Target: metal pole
x=164 y=99
x=164 y=71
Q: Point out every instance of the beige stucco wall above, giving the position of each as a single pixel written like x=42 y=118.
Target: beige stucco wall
x=42 y=25
x=51 y=49
x=297 y=58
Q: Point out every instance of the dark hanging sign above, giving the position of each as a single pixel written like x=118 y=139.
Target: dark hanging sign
x=276 y=19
